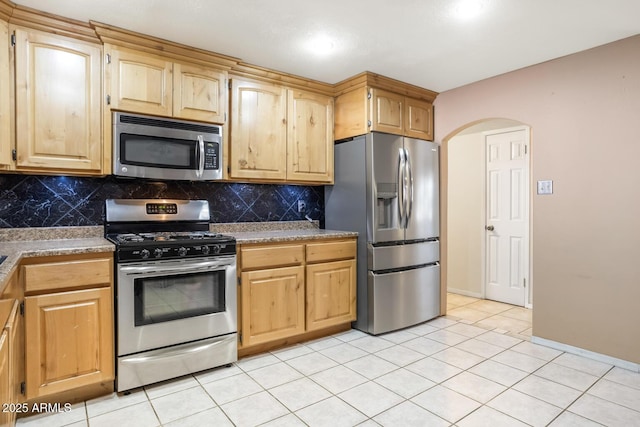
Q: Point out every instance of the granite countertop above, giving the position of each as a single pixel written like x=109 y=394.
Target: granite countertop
x=17 y=244
x=289 y=235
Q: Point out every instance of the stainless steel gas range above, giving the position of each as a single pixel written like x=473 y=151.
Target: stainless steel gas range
x=176 y=302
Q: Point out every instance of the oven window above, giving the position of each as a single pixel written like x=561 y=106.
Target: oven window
x=157 y=152
x=162 y=299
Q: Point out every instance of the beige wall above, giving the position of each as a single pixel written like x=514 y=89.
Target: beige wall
x=466 y=215
x=584 y=112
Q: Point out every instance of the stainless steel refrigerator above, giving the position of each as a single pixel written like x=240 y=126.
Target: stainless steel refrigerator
x=387 y=189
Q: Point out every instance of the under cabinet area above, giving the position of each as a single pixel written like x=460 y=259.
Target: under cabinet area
x=292 y=291
x=68 y=325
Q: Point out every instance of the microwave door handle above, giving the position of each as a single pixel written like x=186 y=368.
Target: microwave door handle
x=200 y=150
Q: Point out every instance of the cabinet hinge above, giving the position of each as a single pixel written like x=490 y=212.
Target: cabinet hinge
x=239 y=281
x=23 y=388
x=240 y=337
x=13 y=39
x=14 y=154
x=228 y=169
x=524 y=282
x=225 y=117
x=369 y=123
x=369 y=95
x=108 y=99
x=228 y=84
x=21 y=308
x=525 y=149
x=108 y=58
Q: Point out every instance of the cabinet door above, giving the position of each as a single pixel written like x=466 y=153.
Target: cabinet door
x=6 y=418
x=139 y=82
x=387 y=109
x=69 y=341
x=418 y=119
x=272 y=304
x=199 y=93
x=15 y=336
x=309 y=137
x=331 y=294
x=258 y=131
x=5 y=98
x=58 y=87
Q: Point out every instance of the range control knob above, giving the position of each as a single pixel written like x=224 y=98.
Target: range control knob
x=215 y=249
x=205 y=250
x=157 y=252
x=182 y=251
x=144 y=254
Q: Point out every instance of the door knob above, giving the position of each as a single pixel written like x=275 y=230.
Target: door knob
x=489 y=227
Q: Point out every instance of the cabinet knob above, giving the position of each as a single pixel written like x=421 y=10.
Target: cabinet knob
x=490 y=227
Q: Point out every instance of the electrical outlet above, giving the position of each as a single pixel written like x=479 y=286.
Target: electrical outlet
x=302 y=206
x=545 y=187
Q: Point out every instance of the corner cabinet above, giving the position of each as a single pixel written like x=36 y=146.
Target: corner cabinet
x=369 y=102
x=146 y=83
x=280 y=134
x=68 y=324
x=295 y=291
x=58 y=86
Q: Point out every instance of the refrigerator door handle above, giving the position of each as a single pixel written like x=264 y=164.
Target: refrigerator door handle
x=409 y=187
x=401 y=187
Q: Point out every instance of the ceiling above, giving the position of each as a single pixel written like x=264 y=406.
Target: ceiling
x=435 y=44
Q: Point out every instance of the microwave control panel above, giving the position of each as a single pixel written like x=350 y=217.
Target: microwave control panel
x=211 y=155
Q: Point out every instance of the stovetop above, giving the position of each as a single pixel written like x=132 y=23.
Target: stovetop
x=149 y=229
x=173 y=236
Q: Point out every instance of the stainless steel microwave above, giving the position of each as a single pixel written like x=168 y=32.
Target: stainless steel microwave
x=158 y=148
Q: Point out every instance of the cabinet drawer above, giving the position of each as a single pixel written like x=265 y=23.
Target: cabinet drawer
x=271 y=256
x=317 y=252
x=69 y=274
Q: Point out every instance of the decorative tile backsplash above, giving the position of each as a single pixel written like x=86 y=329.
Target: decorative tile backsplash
x=56 y=201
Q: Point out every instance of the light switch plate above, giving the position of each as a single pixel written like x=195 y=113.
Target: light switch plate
x=545 y=187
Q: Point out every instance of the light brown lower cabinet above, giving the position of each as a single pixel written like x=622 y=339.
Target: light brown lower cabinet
x=69 y=330
x=69 y=341
x=331 y=294
x=274 y=301
x=291 y=292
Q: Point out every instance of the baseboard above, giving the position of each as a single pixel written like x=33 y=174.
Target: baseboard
x=465 y=293
x=599 y=357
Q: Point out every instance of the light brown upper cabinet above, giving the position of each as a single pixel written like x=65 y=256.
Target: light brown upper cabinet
x=146 y=83
x=5 y=98
x=258 y=134
x=369 y=102
x=57 y=97
x=279 y=133
x=309 y=137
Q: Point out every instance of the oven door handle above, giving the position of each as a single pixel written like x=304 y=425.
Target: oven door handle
x=195 y=267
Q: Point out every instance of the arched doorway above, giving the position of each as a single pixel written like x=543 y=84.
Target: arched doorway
x=469 y=257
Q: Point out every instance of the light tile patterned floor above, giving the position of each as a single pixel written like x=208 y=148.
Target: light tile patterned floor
x=475 y=367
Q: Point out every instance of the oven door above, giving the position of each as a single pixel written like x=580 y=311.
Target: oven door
x=163 y=303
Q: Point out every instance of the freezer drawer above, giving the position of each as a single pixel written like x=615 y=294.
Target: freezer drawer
x=401 y=299
x=401 y=256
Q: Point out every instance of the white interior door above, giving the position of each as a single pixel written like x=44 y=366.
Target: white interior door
x=507 y=216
